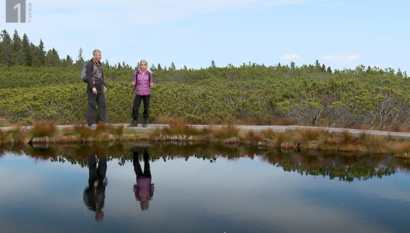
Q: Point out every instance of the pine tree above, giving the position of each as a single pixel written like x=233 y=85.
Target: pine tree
x=35 y=60
x=292 y=65
x=17 y=55
x=52 y=58
x=399 y=73
x=317 y=65
x=6 y=49
x=369 y=70
x=28 y=57
x=69 y=60
x=41 y=53
x=213 y=63
x=80 y=59
x=329 y=70
x=159 y=67
x=172 y=66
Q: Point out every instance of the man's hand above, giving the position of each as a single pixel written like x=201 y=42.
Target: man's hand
x=105 y=89
x=94 y=90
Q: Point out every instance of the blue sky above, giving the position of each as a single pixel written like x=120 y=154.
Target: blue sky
x=339 y=33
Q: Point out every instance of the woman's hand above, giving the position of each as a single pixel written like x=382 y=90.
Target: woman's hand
x=133 y=84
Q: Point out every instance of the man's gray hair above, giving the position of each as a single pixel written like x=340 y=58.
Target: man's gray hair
x=96 y=51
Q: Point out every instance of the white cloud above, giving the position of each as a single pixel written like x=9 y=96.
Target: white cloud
x=289 y=56
x=341 y=58
x=353 y=57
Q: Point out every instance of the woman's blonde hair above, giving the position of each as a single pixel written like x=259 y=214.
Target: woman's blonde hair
x=145 y=61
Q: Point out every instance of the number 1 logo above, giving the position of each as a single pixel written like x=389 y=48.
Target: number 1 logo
x=15 y=11
x=18 y=6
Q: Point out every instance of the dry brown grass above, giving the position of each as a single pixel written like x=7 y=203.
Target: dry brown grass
x=162 y=120
x=179 y=130
x=67 y=131
x=5 y=123
x=180 y=126
x=400 y=147
x=16 y=135
x=377 y=144
x=398 y=128
x=116 y=130
x=43 y=129
x=101 y=127
x=282 y=138
x=84 y=131
x=311 y=134
x=346 y=138
x=268 y=133
x=2 y=136
x=225 y=132
x=251 y=137
x=283 y=121
x=365 y=127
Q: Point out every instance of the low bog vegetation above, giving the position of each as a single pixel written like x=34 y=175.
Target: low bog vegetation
x=180 y=130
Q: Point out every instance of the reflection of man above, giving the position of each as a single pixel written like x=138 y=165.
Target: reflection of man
x=94 y=194
x=144 y=189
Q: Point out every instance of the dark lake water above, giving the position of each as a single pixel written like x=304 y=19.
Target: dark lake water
x=201 y=189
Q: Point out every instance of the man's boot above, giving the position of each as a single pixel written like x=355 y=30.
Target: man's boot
x=145 y=123
x=134 y=123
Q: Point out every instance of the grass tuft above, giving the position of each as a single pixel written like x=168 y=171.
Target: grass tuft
x=225 y=132
x=43 y=129
x=84 y=131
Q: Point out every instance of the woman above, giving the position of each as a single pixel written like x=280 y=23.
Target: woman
x=144 y=188
x=143 y=82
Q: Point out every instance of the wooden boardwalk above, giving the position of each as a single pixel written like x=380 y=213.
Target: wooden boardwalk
x=276 y=128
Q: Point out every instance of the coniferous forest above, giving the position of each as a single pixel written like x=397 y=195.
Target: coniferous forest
x=40 y=85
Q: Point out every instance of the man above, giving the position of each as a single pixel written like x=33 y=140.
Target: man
x=94 y=194
x=96 y=89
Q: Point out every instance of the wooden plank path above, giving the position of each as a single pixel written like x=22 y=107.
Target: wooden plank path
x=276 y=128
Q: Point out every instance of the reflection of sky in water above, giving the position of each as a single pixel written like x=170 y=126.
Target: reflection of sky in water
x=198 y=196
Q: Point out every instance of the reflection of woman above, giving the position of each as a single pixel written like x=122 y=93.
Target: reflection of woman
x=143 y=189
x=94 y=194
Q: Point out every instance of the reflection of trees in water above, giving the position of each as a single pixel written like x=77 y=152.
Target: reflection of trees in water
x=345 y=167
x=342 y=166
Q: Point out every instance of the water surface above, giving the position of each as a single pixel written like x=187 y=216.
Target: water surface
x=202 y=188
